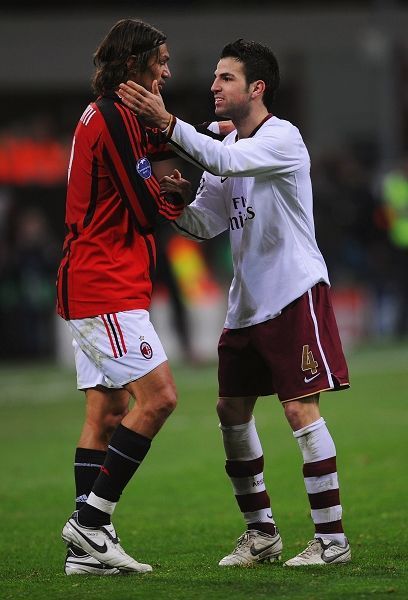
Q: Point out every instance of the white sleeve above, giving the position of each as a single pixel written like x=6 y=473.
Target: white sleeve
x=206 y=217
x=275 y=149
x=214 y=127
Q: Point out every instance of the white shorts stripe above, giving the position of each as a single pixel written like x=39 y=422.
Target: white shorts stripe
x=316 y=328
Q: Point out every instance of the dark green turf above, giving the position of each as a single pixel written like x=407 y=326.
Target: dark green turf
x=179 y=513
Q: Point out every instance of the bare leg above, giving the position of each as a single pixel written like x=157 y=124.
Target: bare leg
x=105 y=409
x=156 y=398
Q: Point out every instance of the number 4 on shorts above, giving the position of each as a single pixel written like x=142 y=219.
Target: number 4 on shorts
x=308 y=361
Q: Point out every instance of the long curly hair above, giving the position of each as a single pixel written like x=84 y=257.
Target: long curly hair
x=128 y=38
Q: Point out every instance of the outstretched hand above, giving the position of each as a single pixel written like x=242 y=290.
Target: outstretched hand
x=175 y=184
x=147 y=105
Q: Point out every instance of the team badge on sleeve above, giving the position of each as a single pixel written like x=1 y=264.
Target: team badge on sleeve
x=146 y=350
x=144 y=168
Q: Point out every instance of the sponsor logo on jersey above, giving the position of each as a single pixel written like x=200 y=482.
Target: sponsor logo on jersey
x=144 y=168
x=146 y=350
x=243 y=213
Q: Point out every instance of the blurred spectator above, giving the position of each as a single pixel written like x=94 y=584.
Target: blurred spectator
x=27 y=289
x=344 y=209
x=394 y=199
x=166 y=277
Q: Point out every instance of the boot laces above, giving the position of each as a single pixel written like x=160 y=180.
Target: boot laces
x=241 y=541
x=311 y=546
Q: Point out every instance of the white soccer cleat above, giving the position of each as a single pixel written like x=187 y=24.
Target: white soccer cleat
x=101 y=543
x=321 y=551
x=254 y=547
x=80 y=564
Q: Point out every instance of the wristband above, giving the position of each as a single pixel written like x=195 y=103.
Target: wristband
x=170 y=126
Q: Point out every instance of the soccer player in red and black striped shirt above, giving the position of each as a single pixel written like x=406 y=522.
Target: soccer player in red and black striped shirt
x=104 y=286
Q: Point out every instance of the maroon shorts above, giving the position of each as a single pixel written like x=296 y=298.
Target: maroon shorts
x=294 y=355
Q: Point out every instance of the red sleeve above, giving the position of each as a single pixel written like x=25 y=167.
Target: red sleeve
x=124 y=148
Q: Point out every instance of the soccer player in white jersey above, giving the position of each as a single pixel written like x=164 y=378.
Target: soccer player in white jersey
x=280 y=334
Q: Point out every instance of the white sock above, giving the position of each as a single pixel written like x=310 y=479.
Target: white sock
x=321 y=481
x=244 y=466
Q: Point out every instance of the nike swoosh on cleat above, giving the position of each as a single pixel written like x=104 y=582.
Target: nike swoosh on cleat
x=309 y=379
x=94 y=565
x=223 y=179
x=102 y=549
x=256 y=551
x=329 y=559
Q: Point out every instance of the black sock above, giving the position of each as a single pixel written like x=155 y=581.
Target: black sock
x=126 y=451
x=87 y=467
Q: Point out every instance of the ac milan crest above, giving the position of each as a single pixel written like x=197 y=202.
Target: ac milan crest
x=146 y=350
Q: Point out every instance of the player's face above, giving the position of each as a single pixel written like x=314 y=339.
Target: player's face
x=157 y=68
x=231 y=91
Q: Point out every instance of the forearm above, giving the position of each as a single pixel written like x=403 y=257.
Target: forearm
x=198 y=225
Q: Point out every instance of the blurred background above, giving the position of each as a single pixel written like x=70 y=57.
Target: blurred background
x=344 y=72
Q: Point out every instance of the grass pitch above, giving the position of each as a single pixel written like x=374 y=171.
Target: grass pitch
x=179 y=513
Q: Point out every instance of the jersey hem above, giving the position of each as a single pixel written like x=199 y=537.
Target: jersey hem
x=104 y=310
x=264 y=319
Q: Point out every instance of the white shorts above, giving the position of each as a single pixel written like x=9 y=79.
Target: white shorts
x=115 y=348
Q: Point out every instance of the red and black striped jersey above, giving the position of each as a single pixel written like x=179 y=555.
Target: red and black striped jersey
x=113 y=206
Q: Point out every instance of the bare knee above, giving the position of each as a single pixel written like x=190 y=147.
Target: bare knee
x=158 y=406
x=223 y=409
x=155 y=399
x=167 y=401
x=235 y=411
x=111 y=420
x=301 y=413
x=104 y=412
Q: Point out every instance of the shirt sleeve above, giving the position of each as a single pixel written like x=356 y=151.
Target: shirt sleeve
x=124 y=156
x=206 y=217
x=277 y=149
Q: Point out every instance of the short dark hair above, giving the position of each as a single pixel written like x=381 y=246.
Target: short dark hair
x=259 y=63
x=127 y=38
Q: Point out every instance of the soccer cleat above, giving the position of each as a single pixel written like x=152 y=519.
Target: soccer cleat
x=321 y=551
x=254 y=547
x=101 y=543
x=84 y=564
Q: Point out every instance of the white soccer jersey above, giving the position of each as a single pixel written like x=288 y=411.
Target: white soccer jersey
x=259 y=188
